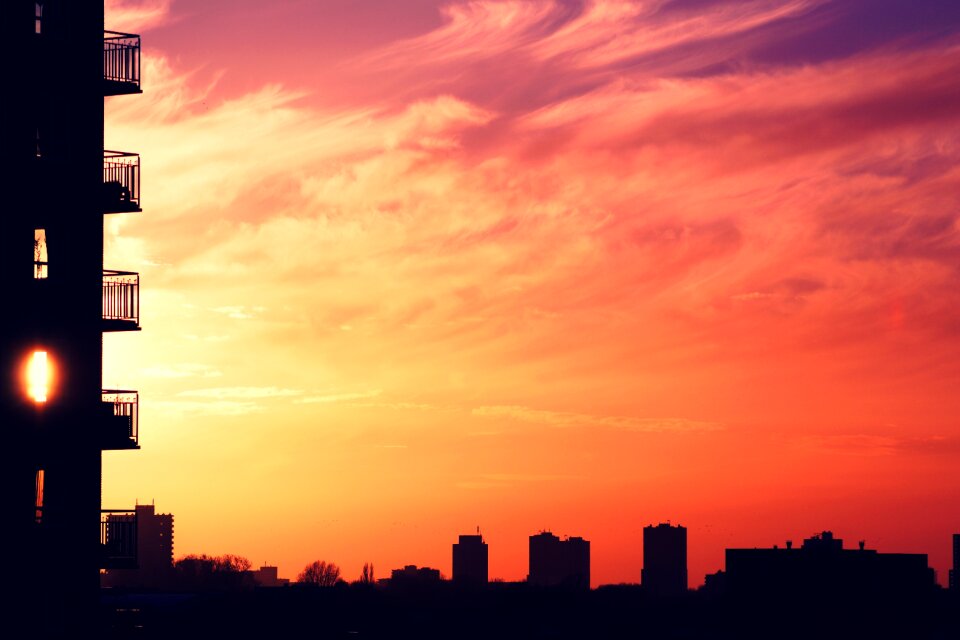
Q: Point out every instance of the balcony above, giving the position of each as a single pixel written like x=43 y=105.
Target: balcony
x=119 y=422
x=121 y=182
x=121 y=63
x=118 y=539
x=121 y=301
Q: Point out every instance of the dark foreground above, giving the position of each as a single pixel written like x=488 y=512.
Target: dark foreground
x=515 y=611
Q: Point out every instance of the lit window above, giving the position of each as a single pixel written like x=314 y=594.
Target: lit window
x=39 y=494
x=38 y=376
x=39 y=15
x=41 y=266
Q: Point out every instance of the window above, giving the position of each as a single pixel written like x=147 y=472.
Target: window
x=38 y=506
x=38 y=28
x=39 y=374
x=41 y=266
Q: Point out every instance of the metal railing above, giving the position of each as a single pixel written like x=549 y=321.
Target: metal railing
x=121 y=181
x=121 y=408
x=121 y=60
x=121 y=296
x=118 y=538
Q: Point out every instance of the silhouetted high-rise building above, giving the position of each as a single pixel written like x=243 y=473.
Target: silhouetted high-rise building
x=267 y=576
x=823 y=568
x=57 y=184
x=470 y=560
x=955 y=571
x=556 y=562
x=154 y=551
x=664 y=560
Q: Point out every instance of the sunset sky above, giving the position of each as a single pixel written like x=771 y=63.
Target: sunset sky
x=410 y=267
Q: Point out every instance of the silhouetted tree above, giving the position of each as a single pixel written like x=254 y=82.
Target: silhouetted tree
x=232 y=564
x=212 y=572
x=366 y=576
x=320 y=573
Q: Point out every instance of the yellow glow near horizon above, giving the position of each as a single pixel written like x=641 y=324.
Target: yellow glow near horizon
x=39 y=374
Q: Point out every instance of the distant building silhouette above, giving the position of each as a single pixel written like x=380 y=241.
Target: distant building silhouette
x=822 y=567
x=470 y=560
x=58 y=183
x=556 y=562
x=267 y=576
x=955 y=571
x=412 y=575
x=664 y=570
x=154 y=551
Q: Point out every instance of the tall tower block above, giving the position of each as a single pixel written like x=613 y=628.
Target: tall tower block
x=57 y=186
x=664 y=570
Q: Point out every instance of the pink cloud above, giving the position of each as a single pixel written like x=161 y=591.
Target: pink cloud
x=136 y=15
x=528 y=207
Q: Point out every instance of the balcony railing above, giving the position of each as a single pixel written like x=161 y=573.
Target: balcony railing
x=121 y=301
x=121 y=63
x=118 y=539
x=121 y=182
x=120 y=417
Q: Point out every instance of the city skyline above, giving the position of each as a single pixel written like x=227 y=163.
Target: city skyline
x=552 y=559
x=411 y=267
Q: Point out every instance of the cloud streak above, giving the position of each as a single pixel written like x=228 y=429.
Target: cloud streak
x=620 y=209
x=228 y=393
x=136 y=15
x=567 y=420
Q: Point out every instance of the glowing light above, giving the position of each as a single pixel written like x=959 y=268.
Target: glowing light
x=38 y=376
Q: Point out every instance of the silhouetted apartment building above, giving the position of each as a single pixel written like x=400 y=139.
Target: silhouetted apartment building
x=470 y=560
x=58 y=182
x=822 y=567
x=154 y=551
x=664 y=570
x=556 y=562
x=412 y=575
x=955 y=571
x=267 y=576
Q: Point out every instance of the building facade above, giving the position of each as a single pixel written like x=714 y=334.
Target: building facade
x=154 y=551
x=268 y=577
x=955 y=571
x=58 y=184
x=555 y=562
x=470 y=560
x=413 y=576
x=822 y=568
x=664 y=570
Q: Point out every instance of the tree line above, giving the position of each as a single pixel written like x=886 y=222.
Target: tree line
x=202 y=571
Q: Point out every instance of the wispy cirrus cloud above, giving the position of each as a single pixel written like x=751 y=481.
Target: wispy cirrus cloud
x=225 y=393
x=187 y=370
x=608 y=32
x=568 y=419
x=744 y=211
x=136 y=15
x=871 y=444
x=596 y=34
x=329 y=398
x=218 y=408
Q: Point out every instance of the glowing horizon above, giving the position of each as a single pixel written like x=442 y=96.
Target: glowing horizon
x=546 y=264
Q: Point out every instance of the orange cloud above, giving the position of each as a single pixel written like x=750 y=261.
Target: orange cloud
x=136 y=15
x=589 y=235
